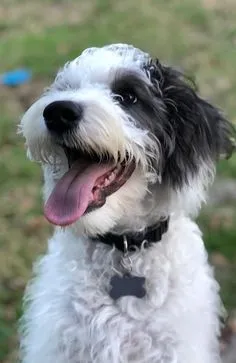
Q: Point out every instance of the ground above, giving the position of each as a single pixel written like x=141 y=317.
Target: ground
x=197 y=35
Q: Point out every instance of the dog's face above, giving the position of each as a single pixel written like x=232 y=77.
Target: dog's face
x=120 y=138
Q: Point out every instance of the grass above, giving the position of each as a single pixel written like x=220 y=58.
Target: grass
x=199 y=36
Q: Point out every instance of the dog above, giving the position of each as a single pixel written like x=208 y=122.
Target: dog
x=128 y=149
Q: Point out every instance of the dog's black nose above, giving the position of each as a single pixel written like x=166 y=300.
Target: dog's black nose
x=61 y=116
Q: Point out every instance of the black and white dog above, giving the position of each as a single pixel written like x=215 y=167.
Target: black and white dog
x=128 y=149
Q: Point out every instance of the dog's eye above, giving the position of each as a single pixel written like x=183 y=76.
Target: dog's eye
x=126 y=98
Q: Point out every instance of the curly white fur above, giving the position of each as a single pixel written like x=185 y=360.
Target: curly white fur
x=72 y=318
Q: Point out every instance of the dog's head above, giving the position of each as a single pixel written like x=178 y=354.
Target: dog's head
x=123 y=141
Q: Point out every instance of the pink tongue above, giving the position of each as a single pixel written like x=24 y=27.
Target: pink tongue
x=73 y=193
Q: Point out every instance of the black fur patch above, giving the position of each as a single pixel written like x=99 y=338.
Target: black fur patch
x=190 y=130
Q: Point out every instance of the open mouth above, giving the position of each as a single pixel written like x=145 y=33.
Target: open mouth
x=85 y=186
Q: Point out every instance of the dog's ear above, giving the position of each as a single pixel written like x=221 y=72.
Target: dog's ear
x=200 y=132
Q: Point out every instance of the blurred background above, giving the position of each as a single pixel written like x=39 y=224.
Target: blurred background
x=197 y=35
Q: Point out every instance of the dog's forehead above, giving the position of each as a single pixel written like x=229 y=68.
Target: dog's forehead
x=97 y=65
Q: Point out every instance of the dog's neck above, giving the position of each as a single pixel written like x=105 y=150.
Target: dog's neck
x=132 y=241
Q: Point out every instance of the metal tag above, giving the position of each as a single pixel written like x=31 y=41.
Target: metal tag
x=127 y=285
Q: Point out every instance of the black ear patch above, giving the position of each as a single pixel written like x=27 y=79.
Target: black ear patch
x=197 y=131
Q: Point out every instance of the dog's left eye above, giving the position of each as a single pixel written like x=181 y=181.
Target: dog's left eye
x=126 y=98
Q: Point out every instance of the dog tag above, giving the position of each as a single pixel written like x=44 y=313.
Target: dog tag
x=127 y=285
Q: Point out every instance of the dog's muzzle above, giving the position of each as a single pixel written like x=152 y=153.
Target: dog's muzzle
x=90 y=178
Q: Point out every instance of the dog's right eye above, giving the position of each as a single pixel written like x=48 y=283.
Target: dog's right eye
x=126 y=98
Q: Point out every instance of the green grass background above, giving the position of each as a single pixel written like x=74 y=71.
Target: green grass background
x=198 y=35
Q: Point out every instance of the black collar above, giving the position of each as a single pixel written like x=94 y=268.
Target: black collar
x=150 y=235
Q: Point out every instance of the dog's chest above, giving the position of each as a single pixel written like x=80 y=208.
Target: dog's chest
x=82 y=323
x=122 y=330
x=118 y=329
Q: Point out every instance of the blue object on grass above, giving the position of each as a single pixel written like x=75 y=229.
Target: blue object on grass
x=16 y=77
